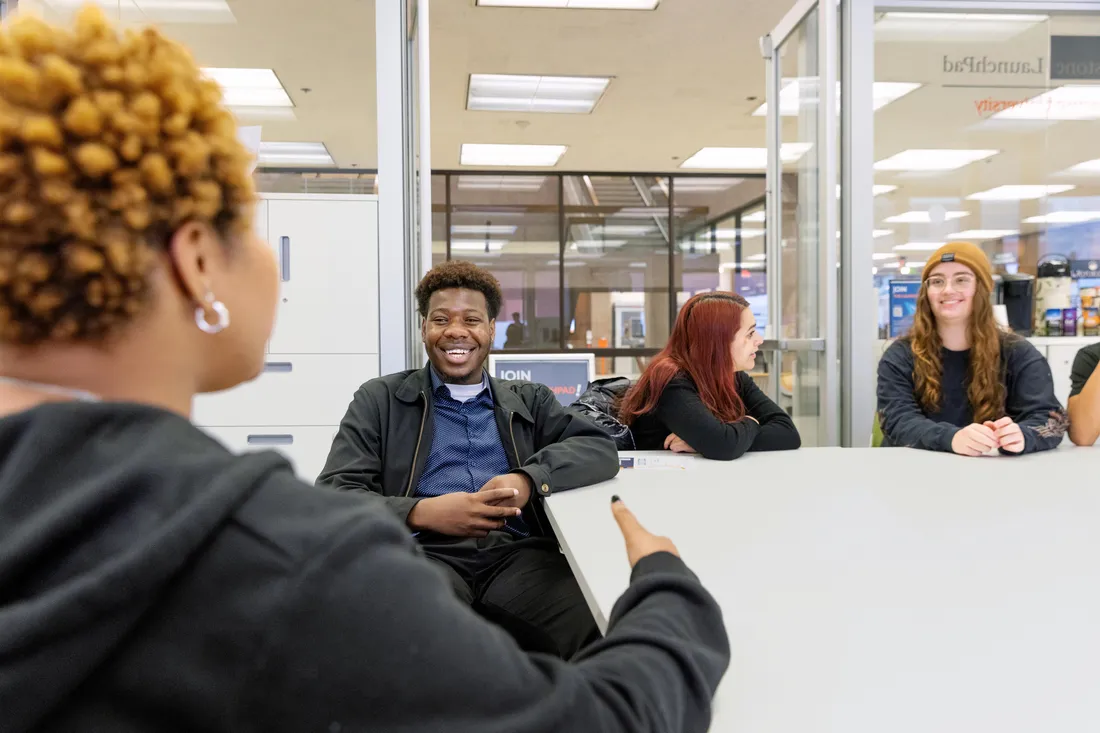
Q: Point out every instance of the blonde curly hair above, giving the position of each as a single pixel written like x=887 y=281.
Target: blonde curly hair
x=109 y=142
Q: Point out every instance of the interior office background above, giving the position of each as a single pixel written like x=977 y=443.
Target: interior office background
x=636 y=138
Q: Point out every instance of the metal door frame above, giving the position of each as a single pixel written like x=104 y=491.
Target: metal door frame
x=826 y=150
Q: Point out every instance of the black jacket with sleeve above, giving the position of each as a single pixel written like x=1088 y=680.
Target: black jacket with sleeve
x=152 y=582
x=680 y=410
x=1029 y=398
x=386 y=436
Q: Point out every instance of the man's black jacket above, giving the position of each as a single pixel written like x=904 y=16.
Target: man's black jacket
x=386 y=435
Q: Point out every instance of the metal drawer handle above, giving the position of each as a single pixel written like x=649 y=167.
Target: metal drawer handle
x=271 y=440
x=284 y=258
x=278 y=366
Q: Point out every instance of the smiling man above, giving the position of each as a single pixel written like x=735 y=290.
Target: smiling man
x=461 y=458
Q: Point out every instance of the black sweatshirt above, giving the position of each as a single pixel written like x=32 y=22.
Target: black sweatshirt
x=152 y=581
x=1029 y=398
x=680 y=410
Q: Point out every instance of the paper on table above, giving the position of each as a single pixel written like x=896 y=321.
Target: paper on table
x=670 y=461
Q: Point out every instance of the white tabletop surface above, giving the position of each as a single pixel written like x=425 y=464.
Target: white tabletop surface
x=877 y=590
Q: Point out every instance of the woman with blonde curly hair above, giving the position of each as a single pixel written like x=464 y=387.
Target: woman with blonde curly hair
x=959 y=383
x=149 y=579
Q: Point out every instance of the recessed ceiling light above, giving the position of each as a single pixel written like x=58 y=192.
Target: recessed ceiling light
x=516 y=93
x=294 y=154
x=932 y=159
x=882 y=233
x=796 y=93
x=531 y=184
x=984 y=234
x=486 y=229
x=744 y=158
x=1018 y=193
x=727 y=235
x=757 y=216
x=157 y=11
x=757 y=258
x=1089 y=167
x=1070 y=102
x=573 y=4
x=1064 y=217
x=879 y=256
x=919 y=246
x=699 y=185
x=598 y=243
x=968 y=17
x=477 y=245
x=250 y=87
x=923 y=217
x=877 y=189
x=947 y=26
x=624 y=230
x=539 y=156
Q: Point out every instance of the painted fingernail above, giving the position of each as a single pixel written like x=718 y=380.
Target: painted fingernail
x=519 y=512
x=615 y=498
x=515 y=492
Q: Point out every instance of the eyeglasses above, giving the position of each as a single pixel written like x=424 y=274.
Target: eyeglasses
x=961 y=283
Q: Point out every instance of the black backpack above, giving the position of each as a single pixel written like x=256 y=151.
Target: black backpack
x=600 y=405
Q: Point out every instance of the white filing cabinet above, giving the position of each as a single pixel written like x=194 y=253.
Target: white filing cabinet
x=325 y=342
x=328 y=264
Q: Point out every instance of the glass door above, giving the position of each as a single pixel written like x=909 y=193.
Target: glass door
x=802 y=221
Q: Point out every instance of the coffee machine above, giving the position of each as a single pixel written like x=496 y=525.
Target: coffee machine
x=1053 y=291
x=1016 y=293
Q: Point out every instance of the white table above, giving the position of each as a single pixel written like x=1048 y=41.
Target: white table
x=877 y=590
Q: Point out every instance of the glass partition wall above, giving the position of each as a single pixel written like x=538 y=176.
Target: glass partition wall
x=801 y=252
x=985 y=130
x=975 y=121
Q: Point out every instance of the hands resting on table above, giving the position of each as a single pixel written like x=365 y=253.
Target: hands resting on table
x=475 y=515
x=676 y=444
x=979 y=439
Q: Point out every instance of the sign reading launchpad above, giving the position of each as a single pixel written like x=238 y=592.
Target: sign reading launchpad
x=1072 y=58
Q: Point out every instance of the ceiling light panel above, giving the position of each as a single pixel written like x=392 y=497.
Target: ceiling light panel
x=984 y=234
x=516 y=93
x=702 y=185
x=923 y=217
x=744 y=158
x=802 y=92
x=477 y=245
x=250 y=87
x=1070 y=102
x=305 y=154
x=932 y=159
x=539 y=156
x=486 y=229
x=919 y=246
x=156 y=11
x=1064 y=217
x=572 y=4
x=877 y=190
x=1089 y=167
x=1018 y=193
x=529 y=184
x=941 y=27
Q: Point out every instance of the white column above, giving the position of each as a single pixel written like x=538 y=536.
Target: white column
x=402 y=203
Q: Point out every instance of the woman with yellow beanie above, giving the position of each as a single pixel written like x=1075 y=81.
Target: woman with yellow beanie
x=959 y=383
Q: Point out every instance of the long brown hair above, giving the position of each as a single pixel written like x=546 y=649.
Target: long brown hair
x=985 y=381
x=699 y=345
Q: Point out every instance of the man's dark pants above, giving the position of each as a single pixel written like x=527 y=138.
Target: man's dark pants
x=524 y=585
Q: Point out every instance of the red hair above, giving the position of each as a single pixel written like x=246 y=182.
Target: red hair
x=700 y=347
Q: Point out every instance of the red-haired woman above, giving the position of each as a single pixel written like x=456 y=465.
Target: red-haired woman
x=695 y=396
